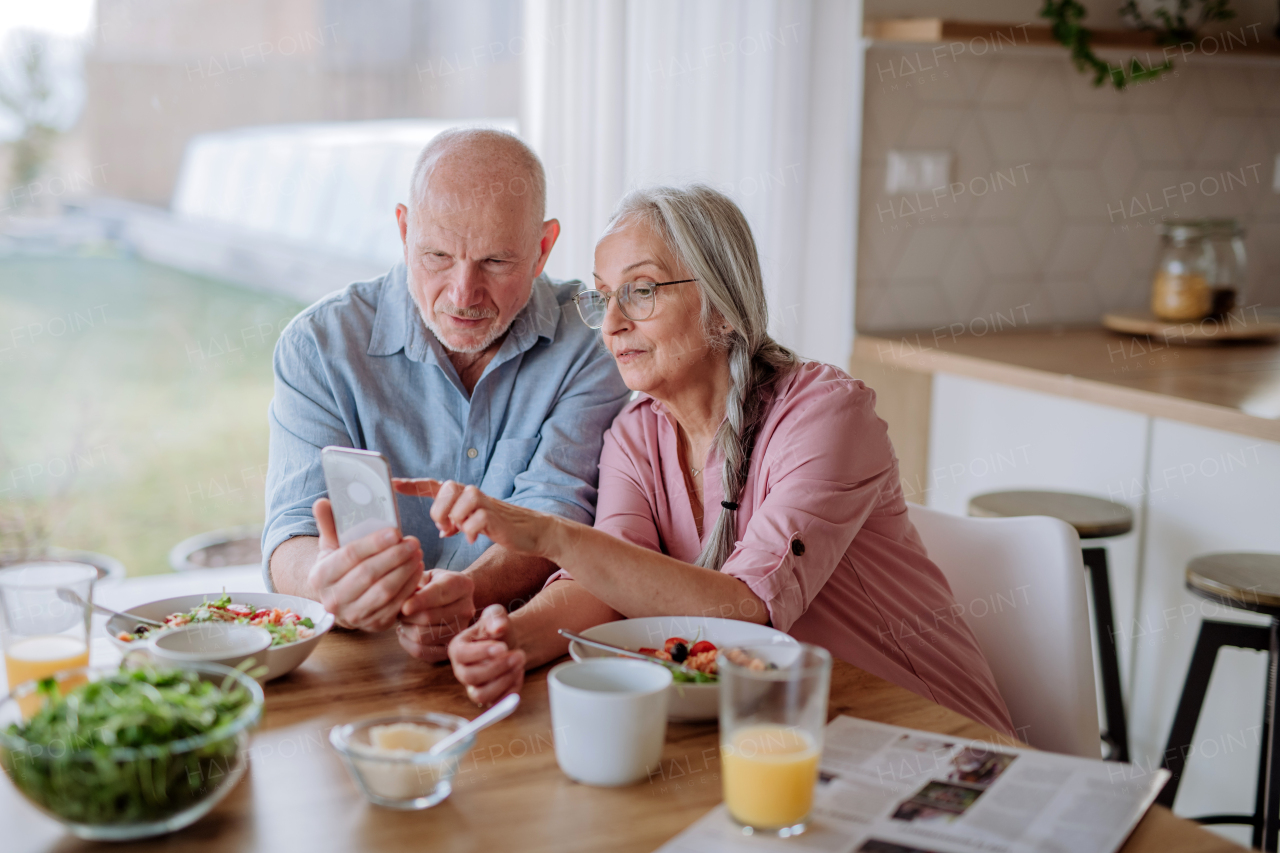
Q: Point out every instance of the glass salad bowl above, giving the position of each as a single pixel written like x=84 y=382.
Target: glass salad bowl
x=124 y=753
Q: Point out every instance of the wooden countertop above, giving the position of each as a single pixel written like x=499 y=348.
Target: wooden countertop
x=509 y=793
x=1231 y=387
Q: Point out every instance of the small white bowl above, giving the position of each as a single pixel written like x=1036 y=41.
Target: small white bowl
x=688 y=701
x=280 y=660
x=210 y=642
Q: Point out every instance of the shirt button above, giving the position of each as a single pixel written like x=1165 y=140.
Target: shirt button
x=797 y=547
x=472 y=453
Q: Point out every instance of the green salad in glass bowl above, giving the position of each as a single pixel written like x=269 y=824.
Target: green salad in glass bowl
x=116 y=753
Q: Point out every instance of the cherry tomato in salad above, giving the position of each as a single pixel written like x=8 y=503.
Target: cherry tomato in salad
x=702 y=646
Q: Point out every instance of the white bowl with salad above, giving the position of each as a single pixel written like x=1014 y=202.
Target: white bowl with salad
x=690 y=640
x=295 y=624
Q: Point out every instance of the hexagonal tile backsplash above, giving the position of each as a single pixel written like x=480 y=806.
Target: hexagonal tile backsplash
x=1058 y=189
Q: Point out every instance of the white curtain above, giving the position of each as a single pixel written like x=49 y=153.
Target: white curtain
x=761 y=98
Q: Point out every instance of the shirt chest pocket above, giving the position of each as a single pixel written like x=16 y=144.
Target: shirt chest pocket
x=510 y=459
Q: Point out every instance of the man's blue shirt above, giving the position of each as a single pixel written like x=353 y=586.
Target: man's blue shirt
x=360 y=369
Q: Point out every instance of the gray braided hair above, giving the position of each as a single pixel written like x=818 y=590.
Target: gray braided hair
x=707 y=232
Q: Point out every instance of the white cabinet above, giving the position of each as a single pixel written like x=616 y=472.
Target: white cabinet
x=985 y=437
x=1193 y=491
x=1205 y=491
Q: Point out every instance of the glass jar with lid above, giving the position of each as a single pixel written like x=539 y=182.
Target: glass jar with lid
x=1181 y=289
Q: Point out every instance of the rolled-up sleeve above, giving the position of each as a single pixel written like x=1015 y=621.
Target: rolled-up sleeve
x=826 y=466
x=303 y=418
x=562 y=475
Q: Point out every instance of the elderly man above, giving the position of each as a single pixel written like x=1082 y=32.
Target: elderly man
x=465 y=363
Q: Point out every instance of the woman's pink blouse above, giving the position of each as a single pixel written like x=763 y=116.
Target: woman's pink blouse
x=823 y=535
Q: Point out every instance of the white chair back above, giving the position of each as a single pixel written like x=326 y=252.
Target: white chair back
x=1020 y=582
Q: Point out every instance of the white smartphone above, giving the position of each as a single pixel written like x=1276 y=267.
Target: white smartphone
x=359 y=483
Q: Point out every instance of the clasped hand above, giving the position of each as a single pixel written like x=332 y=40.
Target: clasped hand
x=378 y=579
x=443 y=606
x=487 y=658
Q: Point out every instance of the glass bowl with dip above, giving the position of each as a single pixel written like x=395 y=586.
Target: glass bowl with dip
x=389 y=758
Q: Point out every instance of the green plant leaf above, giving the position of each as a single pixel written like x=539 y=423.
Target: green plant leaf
x=1170 y=27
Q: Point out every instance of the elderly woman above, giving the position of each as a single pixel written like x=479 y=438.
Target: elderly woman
x=741 y=483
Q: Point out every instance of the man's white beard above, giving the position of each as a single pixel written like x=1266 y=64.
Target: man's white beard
x=484 y=343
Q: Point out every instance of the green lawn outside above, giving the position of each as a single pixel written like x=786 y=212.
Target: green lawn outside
x=133 y=401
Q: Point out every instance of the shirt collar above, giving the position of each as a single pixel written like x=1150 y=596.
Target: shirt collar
x=396 y=317
x=398 y=323
x=539 y=318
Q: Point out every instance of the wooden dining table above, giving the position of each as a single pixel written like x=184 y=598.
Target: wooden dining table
x=509 y=793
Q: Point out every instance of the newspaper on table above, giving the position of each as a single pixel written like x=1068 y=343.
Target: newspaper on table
x=886 y=789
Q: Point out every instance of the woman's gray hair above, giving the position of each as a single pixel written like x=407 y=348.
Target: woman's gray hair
x=710 y=237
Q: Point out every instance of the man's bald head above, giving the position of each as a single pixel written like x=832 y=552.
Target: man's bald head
x=474 y=236
x=465 y=165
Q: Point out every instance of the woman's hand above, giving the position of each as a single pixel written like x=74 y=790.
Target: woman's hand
x=486 y=659
x=467 y=510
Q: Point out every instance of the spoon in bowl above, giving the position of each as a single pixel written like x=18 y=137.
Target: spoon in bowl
x=500 y=711
x=70 y=596
x=627 y=653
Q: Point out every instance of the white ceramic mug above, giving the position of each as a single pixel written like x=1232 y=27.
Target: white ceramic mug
x=609 y=718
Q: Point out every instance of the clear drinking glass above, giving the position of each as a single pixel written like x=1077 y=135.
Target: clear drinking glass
x=773 y=709
x=44 y=618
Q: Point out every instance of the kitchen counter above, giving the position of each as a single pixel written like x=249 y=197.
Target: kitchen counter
x=1231 y=387
x=1188 y=437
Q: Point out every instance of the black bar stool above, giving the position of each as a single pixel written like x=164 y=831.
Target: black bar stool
x=1093 y=518
x=1246 y=582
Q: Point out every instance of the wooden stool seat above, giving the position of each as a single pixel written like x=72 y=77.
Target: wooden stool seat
x=1093 y=518
x=1245 y=581
x=1238 y=579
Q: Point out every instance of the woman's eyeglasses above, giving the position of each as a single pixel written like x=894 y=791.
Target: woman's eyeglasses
x=635 y=298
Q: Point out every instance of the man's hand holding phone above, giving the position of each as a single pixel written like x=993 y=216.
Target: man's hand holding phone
x=367 y=574
x=365 y=582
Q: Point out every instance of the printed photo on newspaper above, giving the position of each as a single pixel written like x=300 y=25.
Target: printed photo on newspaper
x=886 y=789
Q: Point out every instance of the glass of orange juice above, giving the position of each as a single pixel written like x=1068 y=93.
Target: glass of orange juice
x=773 y=709
x=44 y=618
